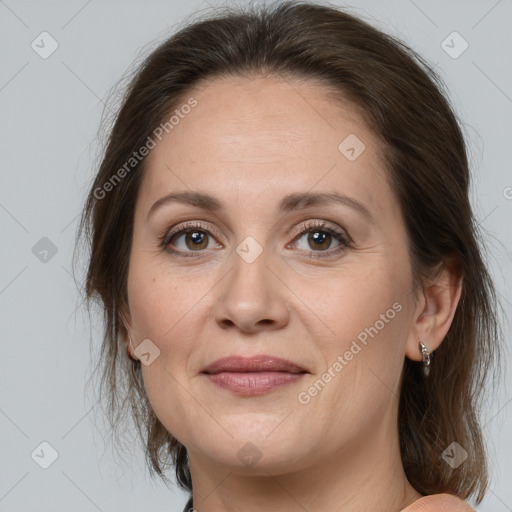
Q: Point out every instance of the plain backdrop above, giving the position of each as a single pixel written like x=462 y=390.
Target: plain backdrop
x=51 y=107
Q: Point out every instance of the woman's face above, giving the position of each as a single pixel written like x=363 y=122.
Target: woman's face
x=323 y=283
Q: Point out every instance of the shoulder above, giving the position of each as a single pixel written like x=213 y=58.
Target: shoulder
x=439 y=503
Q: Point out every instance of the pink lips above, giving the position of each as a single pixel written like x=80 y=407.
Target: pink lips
x=253 y=375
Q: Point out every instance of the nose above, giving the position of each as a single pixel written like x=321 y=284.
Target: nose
x=251 y=298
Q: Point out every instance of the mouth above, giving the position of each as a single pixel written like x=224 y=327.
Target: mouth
x=258 y=363
x=253 y=383
x=253 y=375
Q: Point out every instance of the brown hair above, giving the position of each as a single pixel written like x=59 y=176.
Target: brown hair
x=402 y=100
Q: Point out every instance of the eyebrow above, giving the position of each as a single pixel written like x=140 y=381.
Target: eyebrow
x=289 y=203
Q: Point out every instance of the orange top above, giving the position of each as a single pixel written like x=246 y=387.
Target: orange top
x=439 y=503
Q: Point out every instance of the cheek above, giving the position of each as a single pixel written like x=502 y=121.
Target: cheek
x=363 y=361
x=171 y=319
x=168 y=314
x=161 y=303
x=363 y=310
x=168 y=310
x=353 y=298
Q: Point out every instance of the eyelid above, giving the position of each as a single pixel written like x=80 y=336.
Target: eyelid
x=198 y=224
x=345 y=239
x=321 y=224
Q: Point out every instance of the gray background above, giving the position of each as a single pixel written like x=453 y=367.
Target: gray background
x=50 y=113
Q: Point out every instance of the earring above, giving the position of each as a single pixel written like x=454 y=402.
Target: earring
x=425 y=353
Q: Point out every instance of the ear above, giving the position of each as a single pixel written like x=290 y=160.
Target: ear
x=436 y=310
x=126 y=321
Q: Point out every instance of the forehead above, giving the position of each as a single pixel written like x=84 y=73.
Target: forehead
x=266 y=136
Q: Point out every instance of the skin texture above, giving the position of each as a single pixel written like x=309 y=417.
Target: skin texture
x=249 y=143
x=439 y=503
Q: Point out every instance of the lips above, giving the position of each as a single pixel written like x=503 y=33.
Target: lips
x=250 y=376
x=258 y=363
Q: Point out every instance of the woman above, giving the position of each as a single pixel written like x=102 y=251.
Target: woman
x=296 y=307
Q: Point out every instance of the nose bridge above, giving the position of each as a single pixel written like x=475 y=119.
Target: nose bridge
x=251 y=262
x=251 y=297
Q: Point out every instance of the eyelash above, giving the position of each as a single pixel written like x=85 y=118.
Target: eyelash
x=308 y=227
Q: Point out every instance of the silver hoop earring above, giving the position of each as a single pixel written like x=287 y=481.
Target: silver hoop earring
x=425 y=353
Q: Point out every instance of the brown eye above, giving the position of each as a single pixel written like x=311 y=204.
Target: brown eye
x=319 y=239
x=195 y=240
x=191 y=240
x=188 y=240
